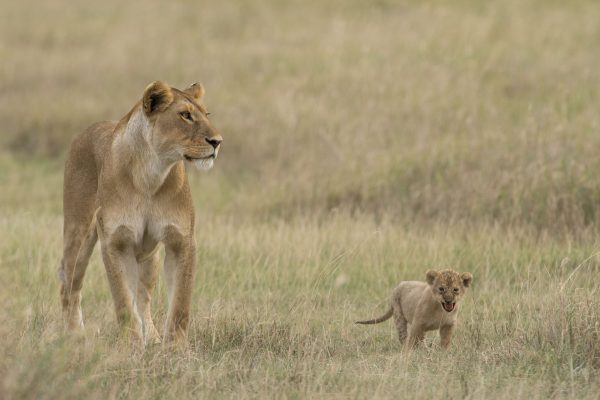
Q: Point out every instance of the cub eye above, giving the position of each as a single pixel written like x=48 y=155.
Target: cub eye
x=186 y=115
x=455 y=290
x=441 y=289
x=207 y=113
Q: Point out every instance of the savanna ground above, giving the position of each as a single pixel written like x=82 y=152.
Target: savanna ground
x=364 y=143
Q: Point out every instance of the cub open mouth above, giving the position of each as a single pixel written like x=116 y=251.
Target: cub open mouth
x=190 y=158
x=448 y=306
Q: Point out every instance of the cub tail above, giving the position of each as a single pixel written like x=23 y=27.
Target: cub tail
x=384 y=317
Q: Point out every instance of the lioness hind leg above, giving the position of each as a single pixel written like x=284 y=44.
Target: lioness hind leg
x=79 y=245
x=147 y=282
x=79 y=203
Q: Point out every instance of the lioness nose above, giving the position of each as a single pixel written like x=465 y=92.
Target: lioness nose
x=214 y=142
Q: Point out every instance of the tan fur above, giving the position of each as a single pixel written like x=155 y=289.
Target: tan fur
x=125 y=183
x=419 y=307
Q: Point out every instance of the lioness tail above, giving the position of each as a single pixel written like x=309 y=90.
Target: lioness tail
x=384 y=317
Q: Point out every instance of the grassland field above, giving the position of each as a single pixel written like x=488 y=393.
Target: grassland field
x=364 y=143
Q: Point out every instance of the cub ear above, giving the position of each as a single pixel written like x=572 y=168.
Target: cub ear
x=157 y=97
x=196 y=90
x=431 y=275
x=467 y=278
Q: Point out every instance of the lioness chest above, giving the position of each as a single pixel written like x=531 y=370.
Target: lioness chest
x=144 y=222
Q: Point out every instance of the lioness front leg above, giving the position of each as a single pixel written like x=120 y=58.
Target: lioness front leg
x=179 y=276
x=446 y=335
x=119 y=258
x=148 y=276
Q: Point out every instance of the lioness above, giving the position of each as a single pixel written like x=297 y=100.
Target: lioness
x=427 y=306
x=125 y=182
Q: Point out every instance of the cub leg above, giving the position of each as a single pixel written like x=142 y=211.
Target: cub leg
x=400 y=322
x=401 y=326
x=446 y=335
x=415 y=336
x=148 y=276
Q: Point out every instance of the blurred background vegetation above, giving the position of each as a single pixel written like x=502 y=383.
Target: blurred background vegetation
x=430 y=111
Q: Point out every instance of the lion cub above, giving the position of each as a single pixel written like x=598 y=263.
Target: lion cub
x=426 y=306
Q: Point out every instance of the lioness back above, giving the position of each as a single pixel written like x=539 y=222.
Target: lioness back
x=90 y=146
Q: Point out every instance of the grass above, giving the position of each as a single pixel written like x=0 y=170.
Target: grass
x=273 y=310
x=363 y=145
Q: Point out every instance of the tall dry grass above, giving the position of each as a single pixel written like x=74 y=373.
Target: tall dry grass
x=274 y=306
x=364 y=143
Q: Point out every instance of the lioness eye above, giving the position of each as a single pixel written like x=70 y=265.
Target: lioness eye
x=441 y=289
x=186 y=115
x=207 y=113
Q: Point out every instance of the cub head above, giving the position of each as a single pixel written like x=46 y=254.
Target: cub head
x=448 y=286
x=181 y=129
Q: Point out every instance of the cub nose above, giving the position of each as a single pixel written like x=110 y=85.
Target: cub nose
x=214 y=142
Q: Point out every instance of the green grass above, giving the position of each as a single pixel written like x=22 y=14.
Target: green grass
x=364 y=144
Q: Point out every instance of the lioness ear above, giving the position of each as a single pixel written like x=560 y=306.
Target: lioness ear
x=467 y=278
x=196 y=90
x=431 y=275
x=157 y=97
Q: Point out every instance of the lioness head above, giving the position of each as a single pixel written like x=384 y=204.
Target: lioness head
x=180 y=126
x=448 y=286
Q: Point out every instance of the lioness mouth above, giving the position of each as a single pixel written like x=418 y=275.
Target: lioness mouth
x=448 y=306
x=190 y=158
